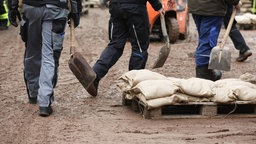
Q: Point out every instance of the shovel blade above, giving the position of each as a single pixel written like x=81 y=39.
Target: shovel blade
x=163 y=55
x=220 y=59
x=81 y=69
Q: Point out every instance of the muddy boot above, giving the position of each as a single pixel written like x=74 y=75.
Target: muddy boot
x=205 y=73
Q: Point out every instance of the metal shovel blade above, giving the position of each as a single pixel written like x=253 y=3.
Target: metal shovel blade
x=163 y=55
x=220 y=58
x=81 y=69
x=165 y=50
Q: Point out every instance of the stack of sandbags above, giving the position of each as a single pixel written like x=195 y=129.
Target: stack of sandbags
x=228 y=90
x=246 y=7
x=247 y=18
x=248 y=78
x=156 y=90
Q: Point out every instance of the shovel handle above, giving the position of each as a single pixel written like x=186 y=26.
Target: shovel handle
x=72 y=37
x=163 y=27
x=231 y=20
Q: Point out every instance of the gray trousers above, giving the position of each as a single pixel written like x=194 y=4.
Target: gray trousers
x=44 y=42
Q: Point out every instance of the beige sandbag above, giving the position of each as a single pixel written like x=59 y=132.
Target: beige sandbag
x=244 y=93
x=248 y=78
x=233 y=82
x=133 y=77
x=223 y=95
x=173 y=79
x=159 y=102
x=152 y=89
x=196 y=87
x=241 y=19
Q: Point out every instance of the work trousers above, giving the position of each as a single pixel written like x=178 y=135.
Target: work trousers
x=235 y=35
x=208 y=28
x=3 y=11
x=127 y=22
x=42 y=29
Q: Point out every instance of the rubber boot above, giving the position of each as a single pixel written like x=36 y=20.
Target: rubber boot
x=205 y=73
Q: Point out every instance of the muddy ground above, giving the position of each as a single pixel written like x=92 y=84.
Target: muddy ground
x=79 y=118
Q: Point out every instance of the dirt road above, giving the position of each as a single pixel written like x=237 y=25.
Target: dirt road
x=79 y=118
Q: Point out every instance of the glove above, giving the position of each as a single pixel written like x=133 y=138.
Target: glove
x=13 y=15
x=75 y=17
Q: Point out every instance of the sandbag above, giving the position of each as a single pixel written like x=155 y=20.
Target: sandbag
x=223 y=95
x=152 y=89
x=233 y=82
x=133 y=77
x=247 y=77
x=196 y=87
x=244 y=93
x=159 y=102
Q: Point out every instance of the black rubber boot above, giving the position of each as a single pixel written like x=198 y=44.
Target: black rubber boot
x=205 y=73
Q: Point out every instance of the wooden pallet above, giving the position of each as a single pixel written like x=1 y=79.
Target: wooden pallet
x=246 y=26
x=194 y=109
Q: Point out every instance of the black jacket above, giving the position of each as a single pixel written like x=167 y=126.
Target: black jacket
x=76 y=5
x=156 y=4
x=209 y=7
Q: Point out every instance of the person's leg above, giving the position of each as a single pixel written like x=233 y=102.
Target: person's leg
x=3 y=15
x=53 y=26
x=236 y=37
x=113 y=51
x=111 y=54
x=139 y=38
x=32 y=56
x=208 y=32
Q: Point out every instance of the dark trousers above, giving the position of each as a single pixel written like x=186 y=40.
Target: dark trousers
x=235 y=34
x=127 y=22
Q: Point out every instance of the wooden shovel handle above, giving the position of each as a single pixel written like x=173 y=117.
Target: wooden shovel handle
x=163 y=27
x=72 y=37
x=231 y=20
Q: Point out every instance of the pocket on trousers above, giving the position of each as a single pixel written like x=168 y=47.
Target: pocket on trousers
x=57 y=41
x=24 y=28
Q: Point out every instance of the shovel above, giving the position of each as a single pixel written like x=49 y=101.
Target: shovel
x=165 y=50
x=220 y=57
x=77 y=63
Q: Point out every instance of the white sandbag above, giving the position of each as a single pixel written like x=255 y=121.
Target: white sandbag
x=173 y=99
x=223 y=95
x=247 y=77
x=196 y=87
x=233 y=82
x=241 y=19
x=155 y=88
x=159 y=102
x=173 y=79
x=244 y=93
x=133 y=77
x=251 y=16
